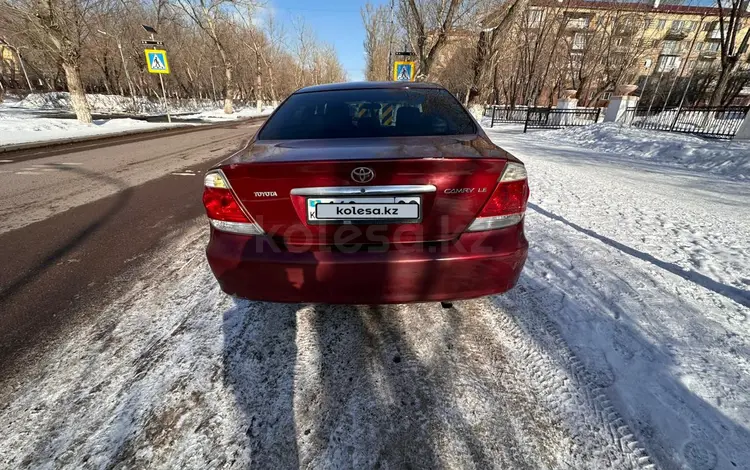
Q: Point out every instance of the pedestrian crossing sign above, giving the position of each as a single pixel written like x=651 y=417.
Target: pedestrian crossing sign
x=403 y=71
x=156 y=61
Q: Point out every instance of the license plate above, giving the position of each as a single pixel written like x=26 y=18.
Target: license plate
x=360 y=209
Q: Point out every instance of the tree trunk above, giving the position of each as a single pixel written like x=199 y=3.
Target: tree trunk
x=77 y=94
x=721 y=84
x=478 y=67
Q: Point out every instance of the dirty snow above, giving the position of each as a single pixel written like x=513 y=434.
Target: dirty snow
x=671 y=149
x=216 y=115
x=645 y=268
x=99 y=103
x=18 y=128
x=625 y=345
x=177 y=375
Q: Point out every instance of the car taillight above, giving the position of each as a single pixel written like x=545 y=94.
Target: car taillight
x=223 y=210
x=507 y=204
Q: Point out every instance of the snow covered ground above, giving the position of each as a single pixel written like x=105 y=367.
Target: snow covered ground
x=18 y=128
x=625 y=344
x=216 y=115
x=60 y=100
x=659 y=149
x=644 y=265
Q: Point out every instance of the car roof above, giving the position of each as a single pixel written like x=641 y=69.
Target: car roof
x=366 y=86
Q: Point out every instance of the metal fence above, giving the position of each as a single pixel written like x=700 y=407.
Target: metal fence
x=553 y=118
x=500 y=113
x=708 y=121
x=542 y=118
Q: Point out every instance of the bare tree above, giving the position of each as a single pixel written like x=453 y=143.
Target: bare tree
x=729 y=26
x=379 y=33
x=59 y=27
x=432 y=17
x=209 y=15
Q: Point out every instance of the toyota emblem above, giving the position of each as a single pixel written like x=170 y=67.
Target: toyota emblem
x=363 y=174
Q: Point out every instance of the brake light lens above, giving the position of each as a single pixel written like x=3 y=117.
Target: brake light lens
x=223 y=210
x=507 y=204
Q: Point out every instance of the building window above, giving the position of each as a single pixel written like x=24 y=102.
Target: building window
x=661 y=24
x=579 y=41
x=711 y=47
x=576 y=58
x=670 y=47
x=647 y=63
x=647 y=23
x=655 y=43
x=606 y=95
x=667 y=63
x=699 y=46
x=677 y=24
x=579 y=23
x=535 y=18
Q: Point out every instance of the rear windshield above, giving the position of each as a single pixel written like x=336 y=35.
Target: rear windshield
x=368 y=113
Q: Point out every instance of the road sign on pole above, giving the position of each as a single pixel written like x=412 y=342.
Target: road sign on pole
x=156 y=61
x=403 y=71
x=147 y=42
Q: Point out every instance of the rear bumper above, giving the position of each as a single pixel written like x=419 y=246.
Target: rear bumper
x=478 y=264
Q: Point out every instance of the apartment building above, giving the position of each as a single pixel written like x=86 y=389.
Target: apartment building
x=667 y=38
x=9 y=70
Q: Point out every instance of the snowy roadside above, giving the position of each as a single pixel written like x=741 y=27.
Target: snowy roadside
x=644 y=270
x=647 y=149
x=626 y=343
x=218 y=115
x=19 y=129
x=177 y=375
x=99 y=103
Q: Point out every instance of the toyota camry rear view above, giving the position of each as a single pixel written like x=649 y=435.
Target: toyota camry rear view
x=367 y=193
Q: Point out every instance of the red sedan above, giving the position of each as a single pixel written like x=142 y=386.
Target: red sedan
x=367 y=193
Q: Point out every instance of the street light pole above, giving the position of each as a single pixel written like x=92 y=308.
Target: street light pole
x=125 y=68
x=388 y=73
x=213 y=87
x=20 y=61
x=151 y=31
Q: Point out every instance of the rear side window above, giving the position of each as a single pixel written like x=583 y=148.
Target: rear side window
x=368 y=113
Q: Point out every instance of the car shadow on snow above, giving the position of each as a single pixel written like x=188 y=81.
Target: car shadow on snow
x=740 y=296
x=351 y=387
x=613 y=316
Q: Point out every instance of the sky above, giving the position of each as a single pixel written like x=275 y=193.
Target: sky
x=337 y=22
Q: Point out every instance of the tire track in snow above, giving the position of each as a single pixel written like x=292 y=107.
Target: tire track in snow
x=175 y=374
x=561 y=379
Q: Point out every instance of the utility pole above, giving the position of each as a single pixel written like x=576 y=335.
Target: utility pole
x=124 y=67
x=163 y=91
x=390 y=47
x=20 y=61
x=684 y=64
x=213 y=86
x=258 y=83
x=152 y=31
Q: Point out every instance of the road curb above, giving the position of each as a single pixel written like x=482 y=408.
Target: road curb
x=95 y=138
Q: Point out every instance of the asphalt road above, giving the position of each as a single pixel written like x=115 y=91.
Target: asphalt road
x=72 y=222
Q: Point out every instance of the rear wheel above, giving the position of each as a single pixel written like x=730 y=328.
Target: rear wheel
x=446 y=304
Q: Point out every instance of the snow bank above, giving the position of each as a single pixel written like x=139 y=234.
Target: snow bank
x=219 y=115
x=15 y=129
x=730 y=159
x=110 y=103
